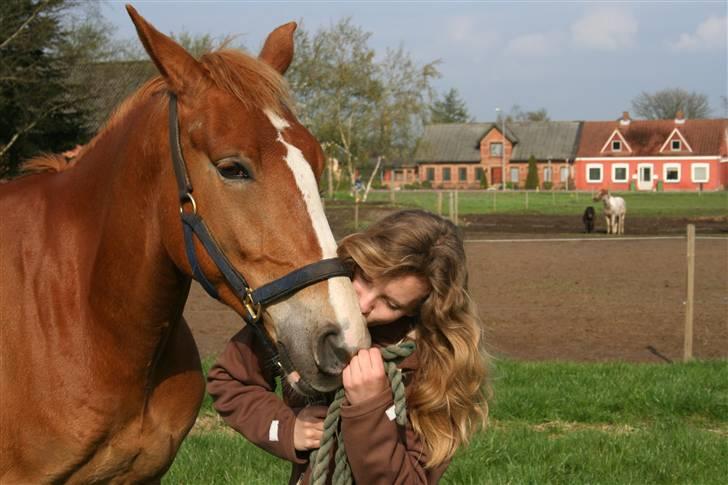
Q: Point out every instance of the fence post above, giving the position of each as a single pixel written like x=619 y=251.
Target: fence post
x=391 y=191
x=356 y=214
x=688 y=347
x=526 y=199
x=439 y=203
x=494 y=202
x=457 y=207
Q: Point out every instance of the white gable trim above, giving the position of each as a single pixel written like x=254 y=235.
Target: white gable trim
x=611 y=137
x=671 y=137
x=651 y=157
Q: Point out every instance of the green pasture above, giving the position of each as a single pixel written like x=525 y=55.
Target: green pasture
x=551 y=423
x=672 y=204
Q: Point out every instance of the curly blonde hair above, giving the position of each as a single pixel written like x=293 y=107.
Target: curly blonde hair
x=448 y=397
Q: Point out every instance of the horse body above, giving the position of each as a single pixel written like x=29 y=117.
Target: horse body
x=615 y=209
x=100 y=378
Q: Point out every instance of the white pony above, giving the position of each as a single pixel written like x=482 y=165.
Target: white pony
x=614 y=211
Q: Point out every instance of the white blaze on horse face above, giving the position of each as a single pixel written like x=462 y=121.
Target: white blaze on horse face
x=342 y=299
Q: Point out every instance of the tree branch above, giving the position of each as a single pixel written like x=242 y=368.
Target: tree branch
x=35 y=13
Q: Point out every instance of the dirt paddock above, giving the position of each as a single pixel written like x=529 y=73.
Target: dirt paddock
x=594 y=298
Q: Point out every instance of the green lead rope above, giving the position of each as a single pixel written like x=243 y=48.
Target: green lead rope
x=320 y=457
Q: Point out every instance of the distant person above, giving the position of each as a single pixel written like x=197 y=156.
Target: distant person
x=410 y=276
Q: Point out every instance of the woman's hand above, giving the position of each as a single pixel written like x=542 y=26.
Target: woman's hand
x=309 y=427
x=364 y=377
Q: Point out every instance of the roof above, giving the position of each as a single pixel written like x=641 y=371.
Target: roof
x=646 y=137
x=460 y=142
x=109 y=83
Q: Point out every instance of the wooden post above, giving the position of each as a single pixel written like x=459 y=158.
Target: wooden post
x=457 y=207
x=331 y=180
x=527 y=200
x=391 y=190
x=439 y=203
x=356 y=214
x=494 y=201
x=688 y=347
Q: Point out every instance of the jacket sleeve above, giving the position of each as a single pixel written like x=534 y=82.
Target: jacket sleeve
x=380 y=451
x=243 y=395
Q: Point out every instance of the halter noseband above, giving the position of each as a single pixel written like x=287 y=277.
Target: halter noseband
x=252 y=300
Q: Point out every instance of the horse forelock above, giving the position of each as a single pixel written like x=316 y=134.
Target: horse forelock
x=250 y=80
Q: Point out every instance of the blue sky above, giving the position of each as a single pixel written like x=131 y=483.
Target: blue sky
x=579 y=60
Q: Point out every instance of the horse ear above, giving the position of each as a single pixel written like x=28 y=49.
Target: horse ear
x=179 y=69
x=278 y=48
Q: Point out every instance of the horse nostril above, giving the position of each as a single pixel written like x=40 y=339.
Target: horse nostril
x=331 y=353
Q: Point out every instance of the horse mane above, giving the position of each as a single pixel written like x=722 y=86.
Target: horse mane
x=250 y=80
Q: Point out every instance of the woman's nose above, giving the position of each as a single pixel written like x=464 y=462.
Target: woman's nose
x=366 y=301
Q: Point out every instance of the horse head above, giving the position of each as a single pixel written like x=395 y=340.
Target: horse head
x=603 y=194
x=254 y=169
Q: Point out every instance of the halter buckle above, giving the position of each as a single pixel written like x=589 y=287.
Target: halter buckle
x=253 y=308
x=187 y=197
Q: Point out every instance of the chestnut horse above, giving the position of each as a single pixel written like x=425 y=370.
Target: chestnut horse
x=100 y=376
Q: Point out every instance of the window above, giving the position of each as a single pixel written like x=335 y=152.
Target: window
x=462 y=174
x=547 y=174
x=515 y=175
x=616 y=146
x=676 y=145
x=564 y=176
x=478 y=174
x=701 y=172
x=496 y=149
x=619 y=172
x=671 y=174
x=446 y=173
x=430 y=174
x=594 y=172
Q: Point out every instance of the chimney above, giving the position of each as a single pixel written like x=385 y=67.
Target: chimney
x=679 y=118
x=625 y=119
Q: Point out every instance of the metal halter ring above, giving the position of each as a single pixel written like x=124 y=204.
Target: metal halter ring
x=253 y=308
x=187 y=198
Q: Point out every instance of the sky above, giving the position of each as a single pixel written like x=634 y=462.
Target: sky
x=582 y=60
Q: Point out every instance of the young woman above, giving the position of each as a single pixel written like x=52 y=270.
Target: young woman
x=410 y=276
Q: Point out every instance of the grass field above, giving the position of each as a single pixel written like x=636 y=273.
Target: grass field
x=560 y=423
x=675 y=204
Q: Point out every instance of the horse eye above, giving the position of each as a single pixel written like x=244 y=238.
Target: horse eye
x=233 y=170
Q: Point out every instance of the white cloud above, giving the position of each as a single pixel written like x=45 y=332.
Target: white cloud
x=469 y=32
x=537 y=45
x=605 y=29
x=711 y=34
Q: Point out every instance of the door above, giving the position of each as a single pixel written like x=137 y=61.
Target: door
x=496 y=175
x=644 y=179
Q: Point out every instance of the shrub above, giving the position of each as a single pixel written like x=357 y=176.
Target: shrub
x=532 y=177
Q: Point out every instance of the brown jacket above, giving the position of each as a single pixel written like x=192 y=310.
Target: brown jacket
x=379 y=451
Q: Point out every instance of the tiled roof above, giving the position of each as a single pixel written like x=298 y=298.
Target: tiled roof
x=109 y=83
x=646 y=137
x=460 y=142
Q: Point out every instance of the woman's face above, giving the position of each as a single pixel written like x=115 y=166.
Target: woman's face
x=384 y=301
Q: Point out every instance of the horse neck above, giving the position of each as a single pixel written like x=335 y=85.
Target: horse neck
x=136 y=286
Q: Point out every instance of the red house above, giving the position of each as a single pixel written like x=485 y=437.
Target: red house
x=647 y=155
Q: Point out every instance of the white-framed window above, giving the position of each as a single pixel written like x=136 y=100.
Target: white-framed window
x=515 y=175
x=496 y=149
x=594 y=172
x=675 y=145
x=616 y=146
x=700 y=172
x=547 y=174
x=620 y=172
x=671 y=173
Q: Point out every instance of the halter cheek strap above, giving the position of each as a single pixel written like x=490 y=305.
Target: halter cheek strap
x=193 y=225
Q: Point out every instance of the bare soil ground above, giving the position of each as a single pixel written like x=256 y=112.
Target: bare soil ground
x=595 y=298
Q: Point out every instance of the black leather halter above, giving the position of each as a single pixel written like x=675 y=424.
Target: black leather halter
x=252 y=300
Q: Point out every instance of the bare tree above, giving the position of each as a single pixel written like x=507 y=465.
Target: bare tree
x=666 y=104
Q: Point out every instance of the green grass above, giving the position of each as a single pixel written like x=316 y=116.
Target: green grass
x=674 y=204
x=551 y=422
